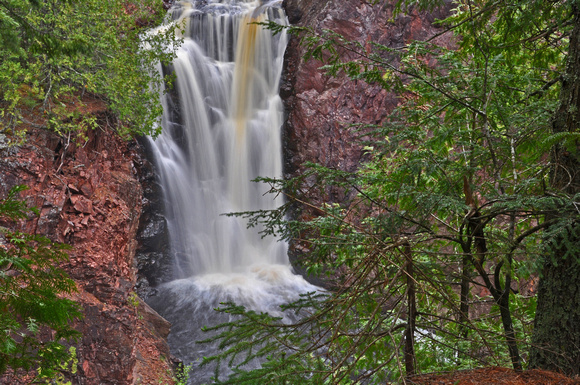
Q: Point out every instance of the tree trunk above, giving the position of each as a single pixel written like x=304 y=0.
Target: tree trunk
x=410 y=360
x=503 y=300
x=501 y=296
x=556 y=338
x=464 y=296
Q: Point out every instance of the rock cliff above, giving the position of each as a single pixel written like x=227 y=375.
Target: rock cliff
x=152 y=256
x=89 y=196
x=321 y=109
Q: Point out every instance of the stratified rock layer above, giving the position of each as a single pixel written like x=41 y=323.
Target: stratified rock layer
x=89 y=197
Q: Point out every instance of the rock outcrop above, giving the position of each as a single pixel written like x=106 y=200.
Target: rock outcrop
x=153 y=255
x=321 y=109
x=89 y=197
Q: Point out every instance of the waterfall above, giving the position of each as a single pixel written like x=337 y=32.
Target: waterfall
x=221 y=129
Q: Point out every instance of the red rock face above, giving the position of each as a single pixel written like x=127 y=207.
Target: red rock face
x=320 y=109
x=90 y=198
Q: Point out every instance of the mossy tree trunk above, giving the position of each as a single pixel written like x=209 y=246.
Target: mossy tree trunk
x=556 y=339
x=410 y=358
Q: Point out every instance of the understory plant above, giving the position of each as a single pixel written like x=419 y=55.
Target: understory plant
x=36 y=313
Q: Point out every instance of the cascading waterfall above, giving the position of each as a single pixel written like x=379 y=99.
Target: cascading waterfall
x=223 y=132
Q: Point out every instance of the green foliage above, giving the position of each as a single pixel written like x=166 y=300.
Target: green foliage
x=70 y=365
x=53 y=52
x=182 y=376
x=133 y=299
x=450 y=213
x=35 y=314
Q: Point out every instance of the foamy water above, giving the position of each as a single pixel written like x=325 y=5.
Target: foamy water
x=223 y=132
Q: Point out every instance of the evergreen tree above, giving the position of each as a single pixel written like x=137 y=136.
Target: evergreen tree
x=35 y=313
x=459 y=192
x=556 y=342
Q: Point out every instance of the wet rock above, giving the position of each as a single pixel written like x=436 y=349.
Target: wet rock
x=157 y=324
x=153 y=252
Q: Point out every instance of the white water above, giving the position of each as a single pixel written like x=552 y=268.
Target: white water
x=224 y=132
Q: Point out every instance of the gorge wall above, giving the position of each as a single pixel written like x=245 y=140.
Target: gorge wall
x=320 y=109
x=89 y=196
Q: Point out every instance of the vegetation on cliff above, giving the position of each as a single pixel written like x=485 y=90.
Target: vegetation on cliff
x=469 y=192
x=35 y=314
x=55 y=51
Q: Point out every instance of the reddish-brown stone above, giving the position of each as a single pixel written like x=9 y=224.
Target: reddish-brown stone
x=494 y=376
x=89 y=197
x=321 y=109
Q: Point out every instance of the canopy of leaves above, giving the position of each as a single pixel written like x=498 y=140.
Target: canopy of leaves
x=55 y=51
x=35 y=315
